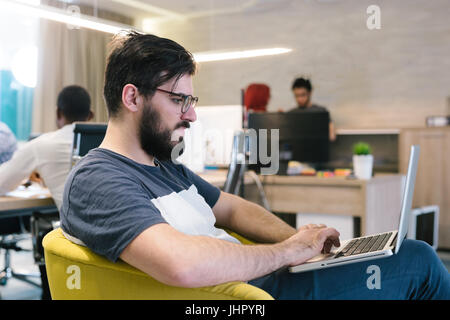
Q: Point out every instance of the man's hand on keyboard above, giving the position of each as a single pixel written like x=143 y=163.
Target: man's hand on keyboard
x=310 y=241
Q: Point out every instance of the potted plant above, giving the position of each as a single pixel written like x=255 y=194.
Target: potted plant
x=362 y=160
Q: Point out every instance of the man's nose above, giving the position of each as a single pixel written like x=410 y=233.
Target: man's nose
x=190 y=115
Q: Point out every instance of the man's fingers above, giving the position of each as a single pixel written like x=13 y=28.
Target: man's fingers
x=331 y=235
x=314 y=226
x=327 y=246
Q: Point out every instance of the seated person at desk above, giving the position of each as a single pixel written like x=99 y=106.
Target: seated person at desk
x=48 y=156
x=128 y=199
x=8 y=143
x=302 y=90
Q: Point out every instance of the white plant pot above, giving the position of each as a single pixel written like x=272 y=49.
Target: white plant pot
x=362 y=166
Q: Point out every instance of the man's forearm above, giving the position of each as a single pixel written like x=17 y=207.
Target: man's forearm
x=223 y=261
x=196 y=261
x=183 y=260
x=255 y=222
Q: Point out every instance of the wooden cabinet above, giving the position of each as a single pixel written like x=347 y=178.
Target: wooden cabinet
x=433 y=175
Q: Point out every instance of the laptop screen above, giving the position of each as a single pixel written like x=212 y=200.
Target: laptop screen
x=408 y=195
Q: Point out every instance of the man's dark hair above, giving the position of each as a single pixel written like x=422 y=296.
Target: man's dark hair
x=146 y=61
x=74 y=103
x=302 y=83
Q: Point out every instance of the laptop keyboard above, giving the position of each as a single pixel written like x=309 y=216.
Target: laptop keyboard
x=366 y=244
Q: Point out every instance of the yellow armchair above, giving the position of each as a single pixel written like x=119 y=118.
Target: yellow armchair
x=75 y=272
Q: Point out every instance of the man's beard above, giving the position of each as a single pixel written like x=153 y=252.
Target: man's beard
x=157 y=141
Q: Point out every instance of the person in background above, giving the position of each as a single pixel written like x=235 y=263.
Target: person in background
x=302 y=90
x=256 y=98
x=8 y=143
x=48 y=156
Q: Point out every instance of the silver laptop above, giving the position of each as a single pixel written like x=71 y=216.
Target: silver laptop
x=372 y=246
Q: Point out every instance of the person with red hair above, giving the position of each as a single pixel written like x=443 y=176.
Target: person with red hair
x=256 y=97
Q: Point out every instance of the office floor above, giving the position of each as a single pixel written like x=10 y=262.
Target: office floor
x=24 y=262
x=21 y=262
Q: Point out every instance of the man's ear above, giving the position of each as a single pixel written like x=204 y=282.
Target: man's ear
x=129 y=97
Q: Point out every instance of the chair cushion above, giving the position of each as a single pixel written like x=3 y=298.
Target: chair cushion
x=75 y=272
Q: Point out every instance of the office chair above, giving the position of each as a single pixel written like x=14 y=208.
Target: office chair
x=76 y=273
x=86 y=136
x=238 y=167
x=12 y=231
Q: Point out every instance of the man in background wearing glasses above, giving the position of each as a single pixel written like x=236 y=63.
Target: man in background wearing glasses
x=129 y=199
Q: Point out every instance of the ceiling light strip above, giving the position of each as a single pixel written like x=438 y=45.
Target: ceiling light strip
x=58 y=15
x=150 y=8
x=220 y=56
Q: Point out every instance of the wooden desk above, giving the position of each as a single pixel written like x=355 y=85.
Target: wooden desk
x=218 y=177
x=376 y=202
x=13 y=206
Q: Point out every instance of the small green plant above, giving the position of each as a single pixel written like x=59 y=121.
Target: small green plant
x=361 y=148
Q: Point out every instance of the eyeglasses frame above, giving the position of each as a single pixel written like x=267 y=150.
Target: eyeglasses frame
x=185 y=97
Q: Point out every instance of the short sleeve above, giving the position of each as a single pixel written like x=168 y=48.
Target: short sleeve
x=106 y=209
x=209 y=192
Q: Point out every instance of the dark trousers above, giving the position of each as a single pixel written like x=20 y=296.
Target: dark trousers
x=416 y=272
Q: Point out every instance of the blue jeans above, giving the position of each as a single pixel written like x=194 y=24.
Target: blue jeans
x=416 y=272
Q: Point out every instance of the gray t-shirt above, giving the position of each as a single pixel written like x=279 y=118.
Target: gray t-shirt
x=109 y=200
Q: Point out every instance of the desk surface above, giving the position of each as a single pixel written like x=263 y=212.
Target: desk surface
x=331 y=181
x=288 y=193
x=216 y=178
x=7 y=203
x=14 y=203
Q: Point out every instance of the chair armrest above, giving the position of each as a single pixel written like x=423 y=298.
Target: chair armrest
x=242 y=239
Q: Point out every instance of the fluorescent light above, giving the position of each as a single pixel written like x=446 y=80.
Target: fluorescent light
x=150 y=8
x=58 y=15
x=218 y=56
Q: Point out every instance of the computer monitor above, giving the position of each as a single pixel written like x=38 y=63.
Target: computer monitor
x=303 y=136
x=86 y=136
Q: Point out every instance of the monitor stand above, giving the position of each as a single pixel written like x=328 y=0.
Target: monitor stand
x=282 y=169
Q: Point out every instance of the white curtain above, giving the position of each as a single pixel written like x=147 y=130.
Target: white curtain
x=70 y=56
x=66 y=57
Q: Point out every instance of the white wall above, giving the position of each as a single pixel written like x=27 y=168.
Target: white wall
x=388 y=78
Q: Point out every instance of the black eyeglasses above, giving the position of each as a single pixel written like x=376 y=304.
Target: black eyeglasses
x=186 y=102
